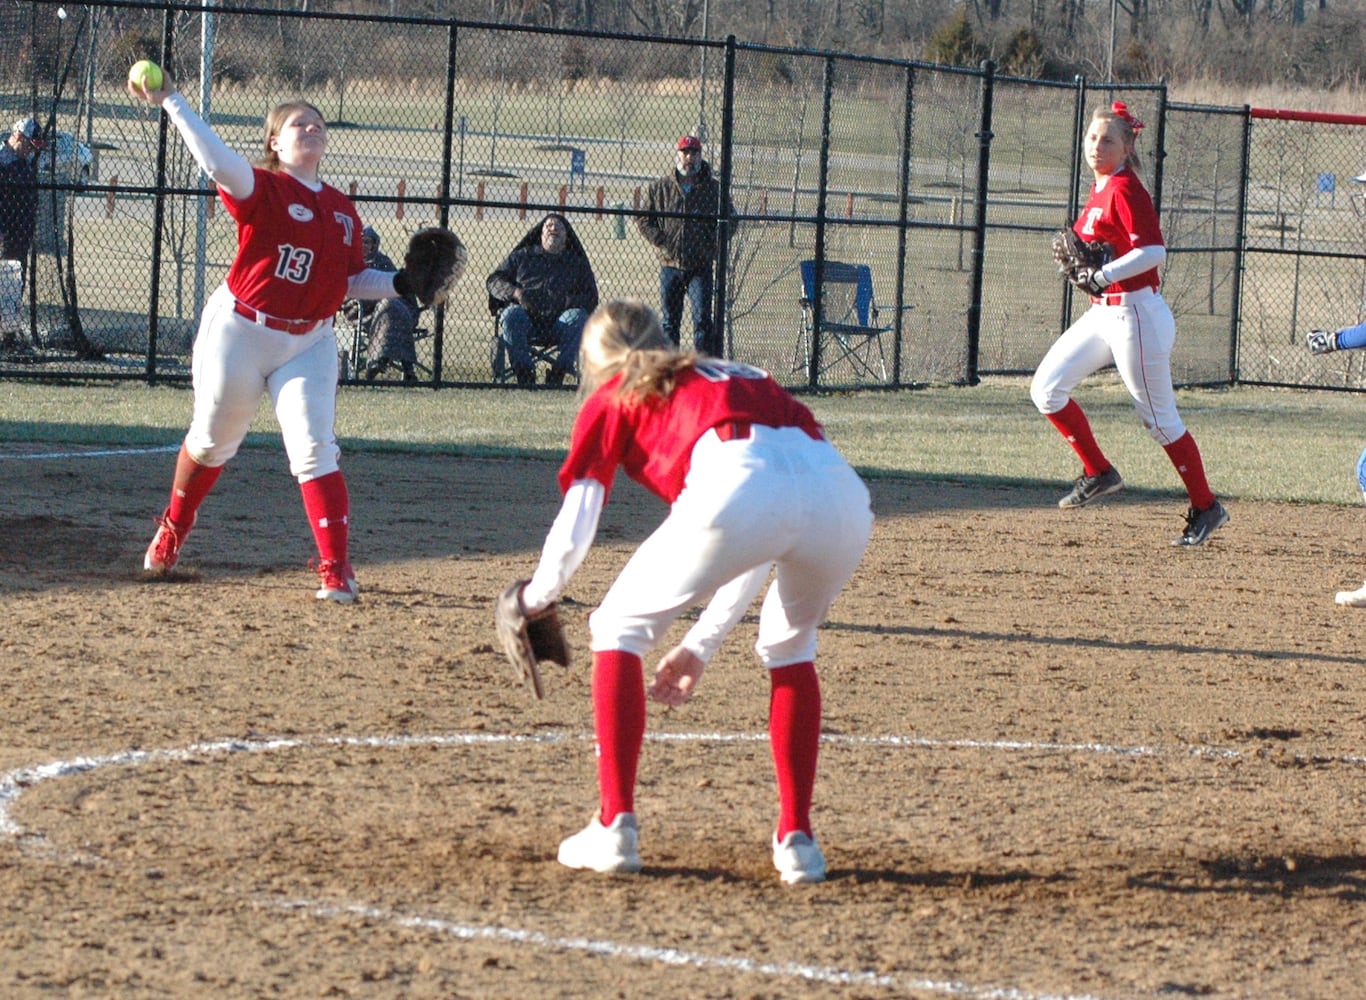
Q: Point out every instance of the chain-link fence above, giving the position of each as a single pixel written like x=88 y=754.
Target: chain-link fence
x=938 y=187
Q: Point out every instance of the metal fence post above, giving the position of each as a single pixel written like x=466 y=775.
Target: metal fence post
x=979 y=233
x=903 y=216
x=439 y=314
x=159 y=208
x=1240 y=241
x=1160 y=147
x=725 y=206
x=822 y=201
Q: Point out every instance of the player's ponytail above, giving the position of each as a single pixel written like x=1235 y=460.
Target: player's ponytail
x=624 y=336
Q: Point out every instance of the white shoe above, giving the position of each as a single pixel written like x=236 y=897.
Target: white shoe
x=798 y=859
x=611 y=849
x=1352 y=598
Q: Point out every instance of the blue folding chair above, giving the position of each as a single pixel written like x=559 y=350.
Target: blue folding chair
x=849 y=331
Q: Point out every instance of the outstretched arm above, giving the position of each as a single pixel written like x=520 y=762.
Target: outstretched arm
x=567 y=543
x=370 y=284
x=226 y=167
x=1347 y=339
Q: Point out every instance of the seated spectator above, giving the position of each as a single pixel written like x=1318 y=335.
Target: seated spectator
x=389 y=324
x=542 y=293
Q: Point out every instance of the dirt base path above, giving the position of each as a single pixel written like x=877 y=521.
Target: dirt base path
x=1062 y=758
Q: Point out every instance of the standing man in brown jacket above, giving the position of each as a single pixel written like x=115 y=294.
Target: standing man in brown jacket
x=681 y=211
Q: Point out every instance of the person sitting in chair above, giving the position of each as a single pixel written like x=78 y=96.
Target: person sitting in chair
x=391 y=323
x=542 y=294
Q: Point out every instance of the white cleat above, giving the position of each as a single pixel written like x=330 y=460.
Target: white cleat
x=611 y=850
x=798 y=859
x=1352 y=598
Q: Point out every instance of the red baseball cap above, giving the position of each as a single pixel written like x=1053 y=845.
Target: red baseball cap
x=689 y=142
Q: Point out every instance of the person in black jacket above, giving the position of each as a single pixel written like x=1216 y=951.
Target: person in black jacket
x=542 y=293
x=681 y=209
x=18 y=214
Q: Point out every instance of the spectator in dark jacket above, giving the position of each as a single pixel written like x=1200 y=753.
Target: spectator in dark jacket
x=18 y=213
x=542 y=293
x=686 y=243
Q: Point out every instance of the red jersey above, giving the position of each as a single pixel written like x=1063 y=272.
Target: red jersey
x=653 y=439
x=296 y=247
x=1122 y=214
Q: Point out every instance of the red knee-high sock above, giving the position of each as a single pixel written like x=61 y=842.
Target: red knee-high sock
x=1185 y=455
x=794 y=733
x=1072 y=424
x=619 y=725
x=190 y=486
x=329 y=514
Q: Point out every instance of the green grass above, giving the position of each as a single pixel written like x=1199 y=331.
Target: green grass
x=1258 y=444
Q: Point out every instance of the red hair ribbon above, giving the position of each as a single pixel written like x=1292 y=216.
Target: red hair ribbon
x=1121 y=111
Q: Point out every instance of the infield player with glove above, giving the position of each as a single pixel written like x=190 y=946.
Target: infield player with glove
x=1112 y=254
x=752 y=484
x=268 y=327
x=1325 y=342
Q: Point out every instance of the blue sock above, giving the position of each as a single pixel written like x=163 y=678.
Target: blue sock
x=1352 y=337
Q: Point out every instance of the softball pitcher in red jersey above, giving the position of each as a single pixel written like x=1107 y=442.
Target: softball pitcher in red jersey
x=752 y=484
x=268 y=328
x=1129 y=324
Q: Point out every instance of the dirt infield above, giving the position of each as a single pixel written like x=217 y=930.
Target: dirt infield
x=1062 y=759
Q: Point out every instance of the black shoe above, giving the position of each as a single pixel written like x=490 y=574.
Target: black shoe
x=1200 y=524
x=525 y=376
x=1088 y=488
x=555 y=376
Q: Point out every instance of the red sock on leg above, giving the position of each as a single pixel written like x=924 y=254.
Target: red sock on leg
x=328 y=506
x=1072 y=424
x=1185 y=456
x=619 y=726
x=794 y=733
x=190 y=486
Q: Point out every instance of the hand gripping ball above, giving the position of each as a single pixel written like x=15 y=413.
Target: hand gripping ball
x=145 y=73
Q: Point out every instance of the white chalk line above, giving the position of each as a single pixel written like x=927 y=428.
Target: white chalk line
x=13 y=783
x=102 y=453
x=824 y=974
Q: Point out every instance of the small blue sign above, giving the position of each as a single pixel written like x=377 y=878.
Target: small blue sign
x=578 y=166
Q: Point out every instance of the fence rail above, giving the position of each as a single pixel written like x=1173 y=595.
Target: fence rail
x=945 y=183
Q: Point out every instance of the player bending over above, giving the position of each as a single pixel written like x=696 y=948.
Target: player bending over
x=752 y=484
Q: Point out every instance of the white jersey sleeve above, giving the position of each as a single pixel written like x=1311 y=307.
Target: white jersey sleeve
x=727 y=606
x=226 y=167
x=371 y=284
x=567 y=543
x=1136 y=261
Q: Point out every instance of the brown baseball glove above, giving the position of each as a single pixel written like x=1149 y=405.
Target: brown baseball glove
x=1080 y=261
x=432 y=264
x=528 y=640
